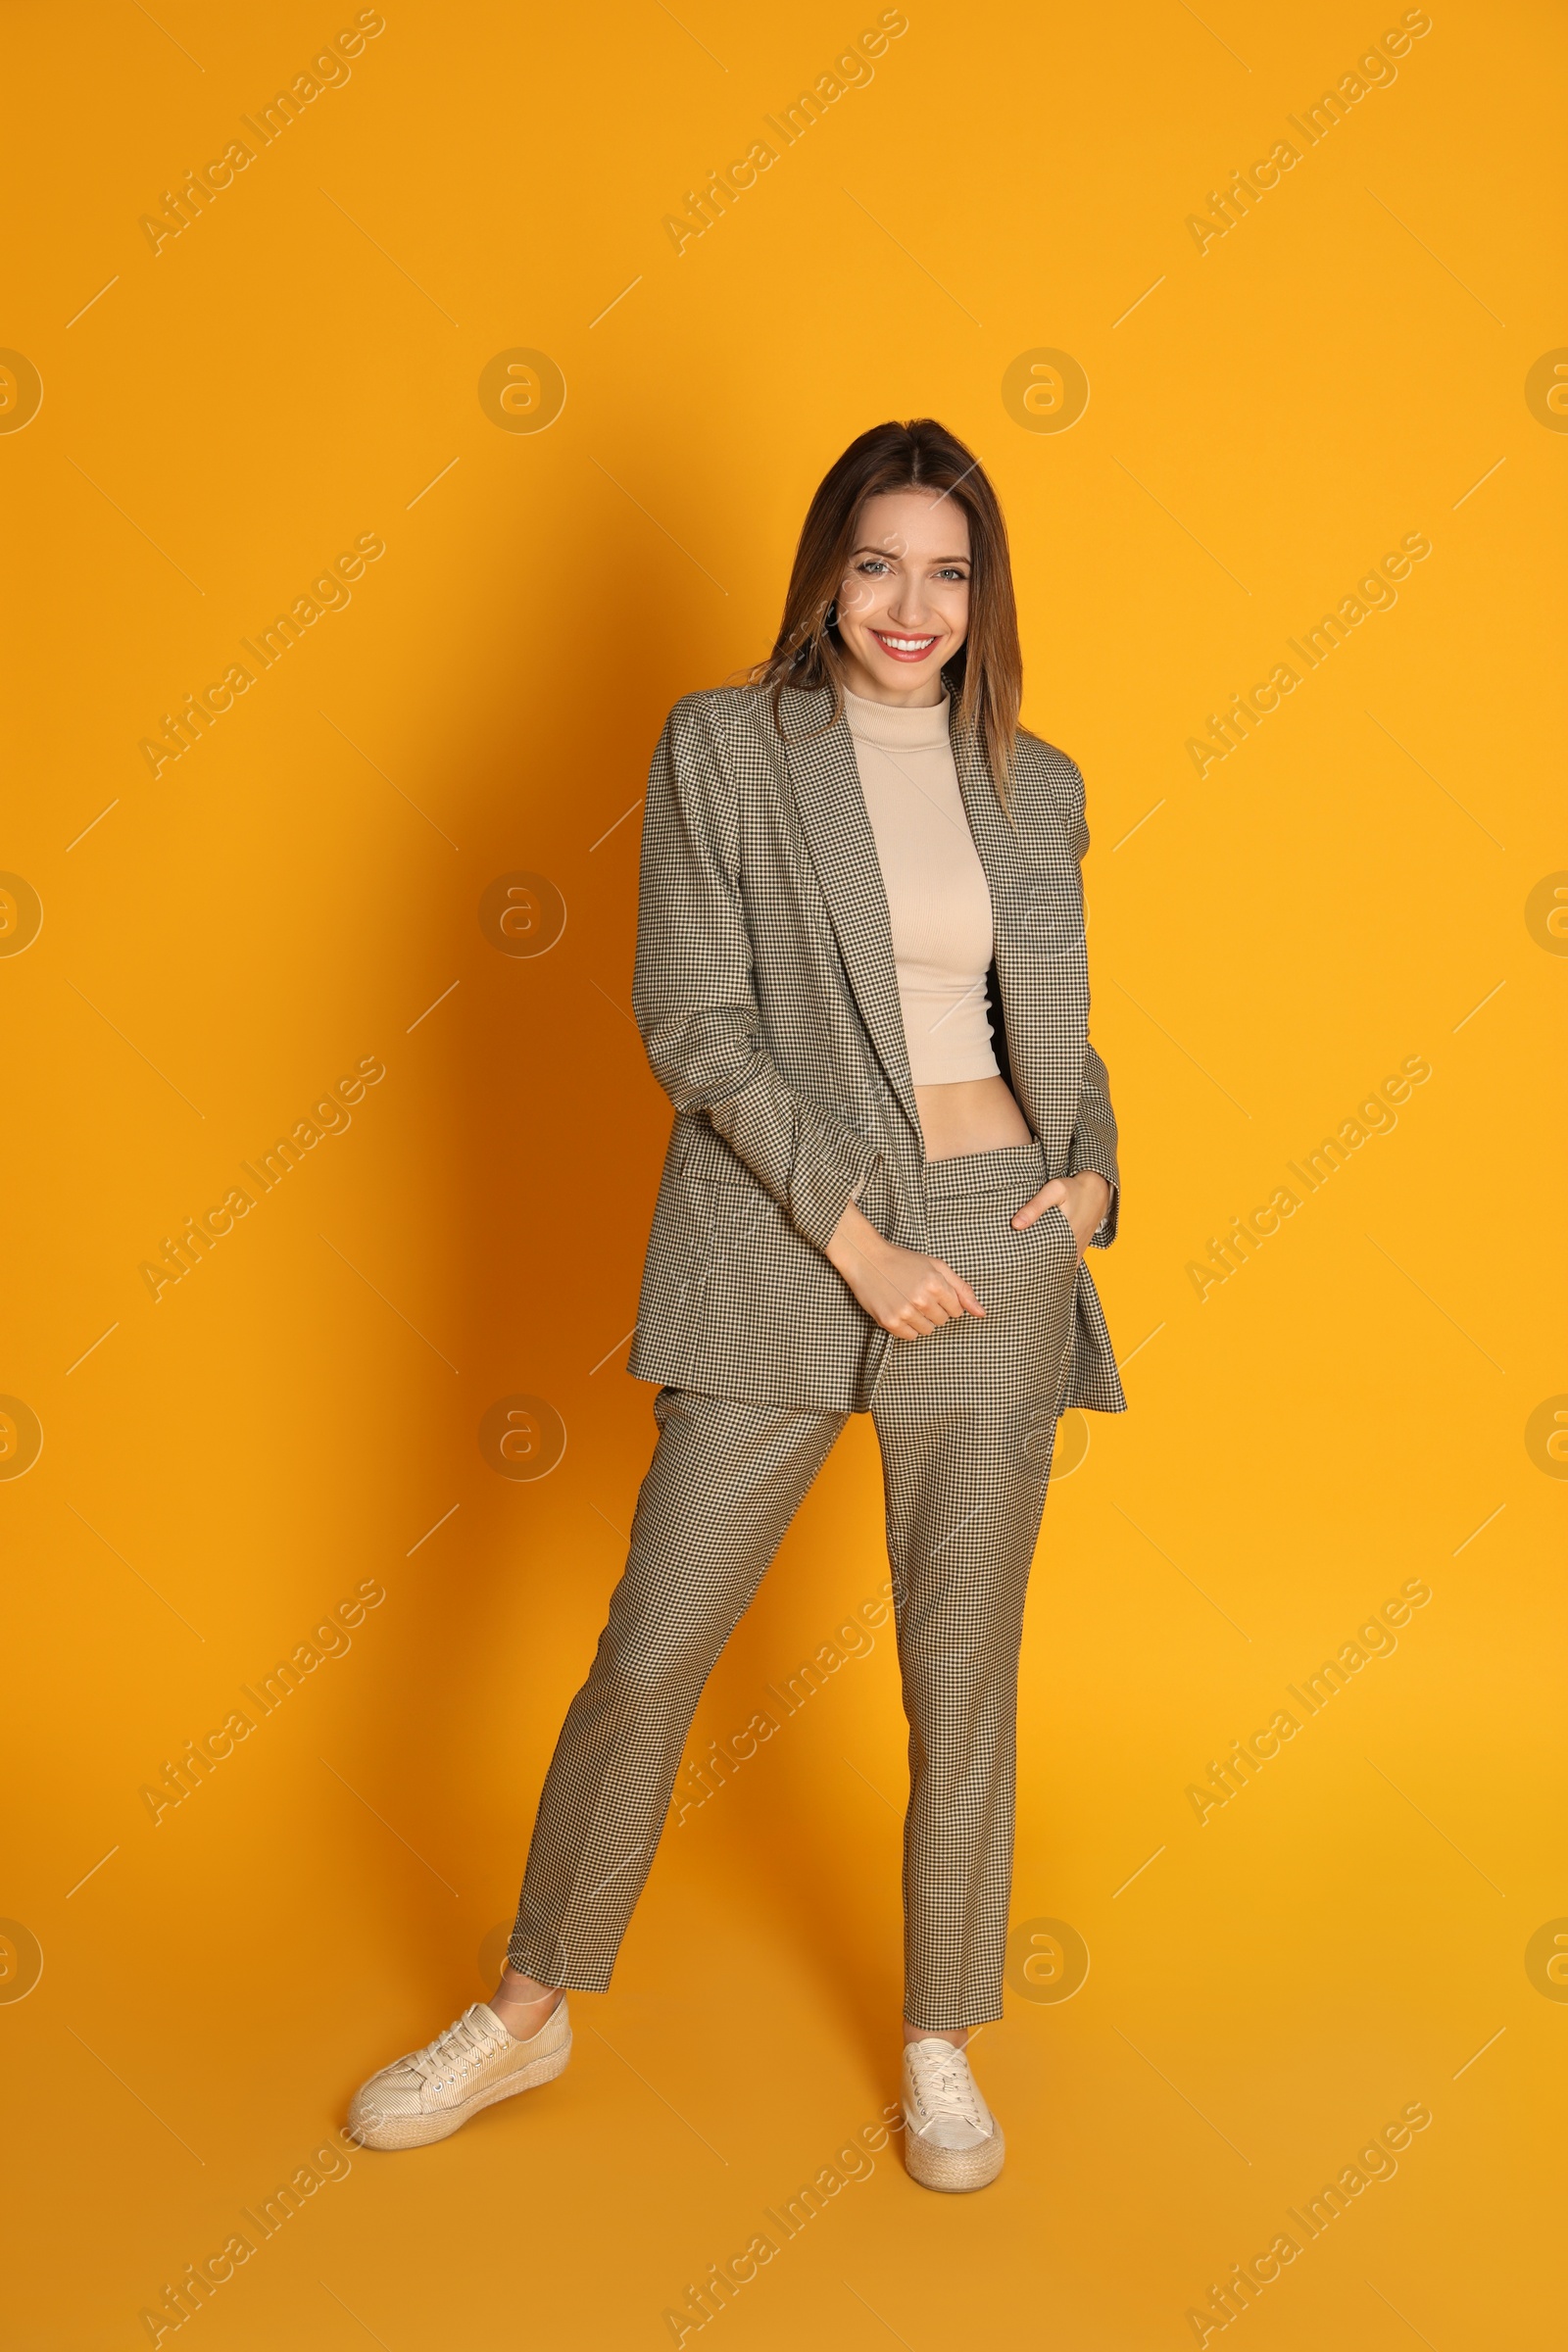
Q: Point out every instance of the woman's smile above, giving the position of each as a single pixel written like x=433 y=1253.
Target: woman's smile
x=912 y=555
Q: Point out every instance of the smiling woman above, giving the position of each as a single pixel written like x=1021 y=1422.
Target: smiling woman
x=906 y=502
x=847 y=860
x=903 y=582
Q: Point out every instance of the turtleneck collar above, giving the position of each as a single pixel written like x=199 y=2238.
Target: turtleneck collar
x=895 y=724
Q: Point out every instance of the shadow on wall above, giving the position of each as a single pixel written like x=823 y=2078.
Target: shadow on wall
x=536 y=1187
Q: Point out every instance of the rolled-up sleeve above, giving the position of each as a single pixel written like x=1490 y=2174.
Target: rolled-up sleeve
x=694 y=997
x=1094 y=1144
x=1094 y=1135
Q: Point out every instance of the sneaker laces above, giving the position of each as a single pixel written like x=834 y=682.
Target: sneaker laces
x=944 y=2085
x=461 y=2045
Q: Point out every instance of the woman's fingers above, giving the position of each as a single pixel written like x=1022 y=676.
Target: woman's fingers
x=1048 y=1195
x=918 y=1315
x=953 y=1292
x=965 y=1297
x=942 y=1298
x=922 y=1293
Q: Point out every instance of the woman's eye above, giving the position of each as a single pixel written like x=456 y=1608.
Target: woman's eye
x=873 y=563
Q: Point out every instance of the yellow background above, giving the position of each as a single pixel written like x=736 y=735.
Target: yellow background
x=298 y=890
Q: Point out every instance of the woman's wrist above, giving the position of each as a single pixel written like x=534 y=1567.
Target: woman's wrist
x=854 y=1238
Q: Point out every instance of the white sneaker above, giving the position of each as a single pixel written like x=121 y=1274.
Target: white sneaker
x=952 y=2140
x=432 y=2093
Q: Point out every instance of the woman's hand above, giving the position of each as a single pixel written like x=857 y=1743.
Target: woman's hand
x=906 y=1292
x=1082 y=1200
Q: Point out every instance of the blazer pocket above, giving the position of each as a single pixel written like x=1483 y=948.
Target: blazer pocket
x=728 y=1199
x=735 y=1215
x=708 y=1159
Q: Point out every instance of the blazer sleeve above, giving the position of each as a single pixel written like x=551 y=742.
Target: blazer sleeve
x=1094 y=1135
x=694 y=996
x=1094 y=1144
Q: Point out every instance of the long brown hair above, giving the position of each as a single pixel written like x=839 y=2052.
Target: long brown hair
x=986 y=674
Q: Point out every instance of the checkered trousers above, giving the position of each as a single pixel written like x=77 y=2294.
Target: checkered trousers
x=965 y=1418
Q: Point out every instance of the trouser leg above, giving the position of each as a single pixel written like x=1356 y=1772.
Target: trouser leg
x=724 y=1483
x=966 y=1487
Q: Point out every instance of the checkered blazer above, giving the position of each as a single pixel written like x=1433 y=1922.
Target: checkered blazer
x=769 y=1002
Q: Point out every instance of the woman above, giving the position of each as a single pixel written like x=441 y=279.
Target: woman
x=860 y=979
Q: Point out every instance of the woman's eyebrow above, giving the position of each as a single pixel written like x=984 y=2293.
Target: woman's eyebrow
x=888 y=555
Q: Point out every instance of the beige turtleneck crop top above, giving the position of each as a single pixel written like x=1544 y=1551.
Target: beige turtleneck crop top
x=936 y=887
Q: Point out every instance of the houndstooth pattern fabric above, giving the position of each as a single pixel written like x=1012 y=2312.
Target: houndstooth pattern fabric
x=767 y=998
x=965 y=1418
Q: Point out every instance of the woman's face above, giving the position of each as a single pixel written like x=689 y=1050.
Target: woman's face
x=903 y=602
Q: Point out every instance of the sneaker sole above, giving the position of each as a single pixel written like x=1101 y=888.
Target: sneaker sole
x=422 y=2130
x=954 y=2171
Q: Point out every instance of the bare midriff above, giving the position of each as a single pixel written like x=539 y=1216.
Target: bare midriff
x=974 y=1115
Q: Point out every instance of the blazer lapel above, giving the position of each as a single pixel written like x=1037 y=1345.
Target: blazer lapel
x=1042 y=972
x=1039 y=966
x=826 y=785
